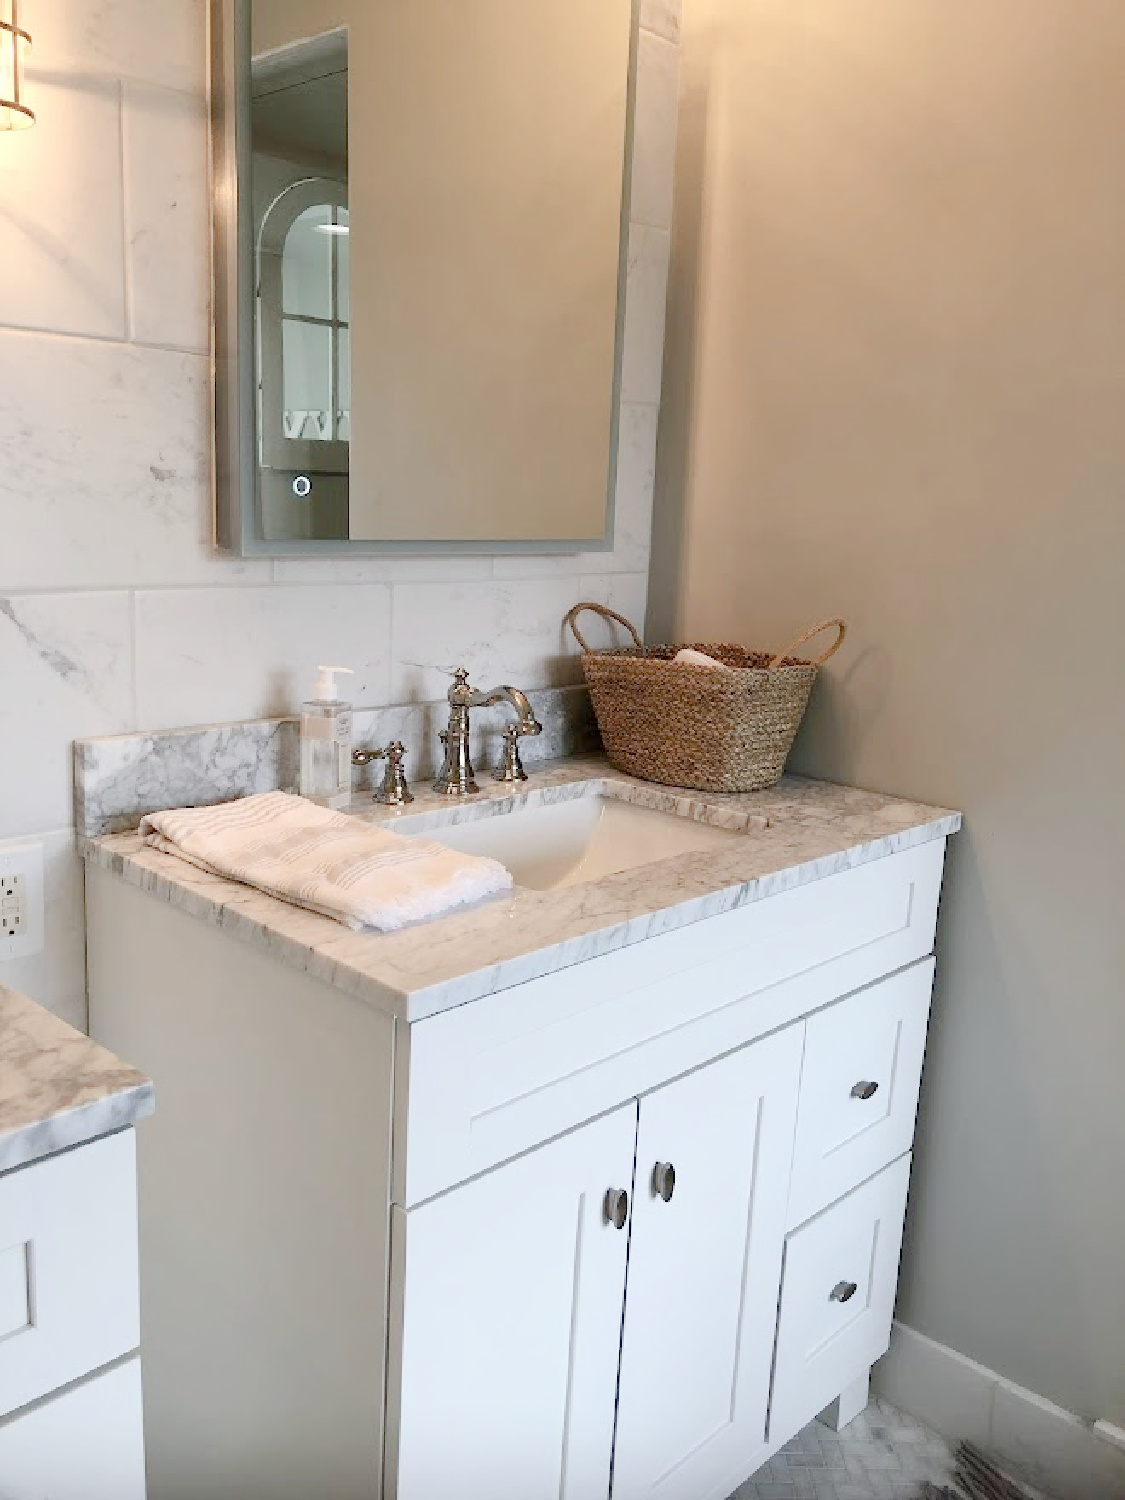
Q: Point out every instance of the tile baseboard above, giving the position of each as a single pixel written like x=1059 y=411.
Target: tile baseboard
x=1050 y=1448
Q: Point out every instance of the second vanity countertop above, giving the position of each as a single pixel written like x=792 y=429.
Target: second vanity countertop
x=58 y=1088
x=816 y=829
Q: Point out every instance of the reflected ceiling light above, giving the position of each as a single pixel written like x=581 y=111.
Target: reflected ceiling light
x=332 y=228
x=14 y=42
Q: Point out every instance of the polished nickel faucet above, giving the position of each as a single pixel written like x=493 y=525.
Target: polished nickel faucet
x=457 y=778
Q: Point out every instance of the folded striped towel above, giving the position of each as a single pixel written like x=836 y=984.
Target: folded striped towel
x=326 y=861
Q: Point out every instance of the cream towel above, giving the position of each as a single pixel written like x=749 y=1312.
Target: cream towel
x=326 y=861
x=686 y=657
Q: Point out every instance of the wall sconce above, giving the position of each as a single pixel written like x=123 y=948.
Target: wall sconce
x=14 y=42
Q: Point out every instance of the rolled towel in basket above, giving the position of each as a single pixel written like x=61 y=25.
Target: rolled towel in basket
x=688 y=657
x=325 y=861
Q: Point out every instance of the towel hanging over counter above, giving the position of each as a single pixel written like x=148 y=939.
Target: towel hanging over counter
x=328 y=862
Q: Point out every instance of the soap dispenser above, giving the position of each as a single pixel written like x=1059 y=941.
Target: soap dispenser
x=326 y=742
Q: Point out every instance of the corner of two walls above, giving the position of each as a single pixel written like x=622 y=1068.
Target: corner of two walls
x=894 y=391
x=115 y=613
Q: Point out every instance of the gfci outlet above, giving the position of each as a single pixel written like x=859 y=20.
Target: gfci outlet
x=21 y=900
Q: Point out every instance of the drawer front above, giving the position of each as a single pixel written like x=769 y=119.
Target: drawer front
x=87 y=1444
x=859 y=1088
x=837 y=1299
x=68 y=1268
x=489 y=1080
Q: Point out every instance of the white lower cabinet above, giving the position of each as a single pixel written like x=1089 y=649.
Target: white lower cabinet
x=511 y=1295
x=704 y=1267
x=837 y=1298
x=86 y=1444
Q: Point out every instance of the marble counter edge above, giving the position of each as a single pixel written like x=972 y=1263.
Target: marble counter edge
x=587 y=921
x=27 y=1144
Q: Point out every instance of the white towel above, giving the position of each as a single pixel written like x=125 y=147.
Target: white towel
x=689 y=658
x=326 y=861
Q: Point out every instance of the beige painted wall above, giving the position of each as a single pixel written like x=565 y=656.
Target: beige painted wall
x=895 y=388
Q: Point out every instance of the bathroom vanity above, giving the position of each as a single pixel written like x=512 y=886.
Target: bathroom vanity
x=70 y=1371
x=597 y=1186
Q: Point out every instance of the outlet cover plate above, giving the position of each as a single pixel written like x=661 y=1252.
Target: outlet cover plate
x=25 y=860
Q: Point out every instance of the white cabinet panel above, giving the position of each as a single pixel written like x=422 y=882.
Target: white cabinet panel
x=496 y=1077
x=837 y=1299
x=511 y=1293
x=859 y=1088
x=704 y=1270
x=68 y=1243
x=84 y=1445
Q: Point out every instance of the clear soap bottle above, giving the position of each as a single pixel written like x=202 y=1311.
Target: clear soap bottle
x=326 y=742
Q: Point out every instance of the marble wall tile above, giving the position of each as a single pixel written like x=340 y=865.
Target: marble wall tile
x=105 y=467
x=168 y=263
x=654 y=149
x=56 y=977
x=66 y=669
x=209 y=655
x=160 y=41
x=627 y=593
x=663 y=17
x=501 y=630
x=642 y=360
x=636 y=477
x=379 y=569
x=61 y=229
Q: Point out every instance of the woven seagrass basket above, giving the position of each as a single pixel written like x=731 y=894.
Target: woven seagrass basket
x=692 y=726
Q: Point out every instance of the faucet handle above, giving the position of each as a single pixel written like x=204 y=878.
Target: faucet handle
x=509 y=767
x=394 y=792
x=460 y=692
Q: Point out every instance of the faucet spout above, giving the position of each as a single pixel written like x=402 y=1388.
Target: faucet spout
x=526 y=722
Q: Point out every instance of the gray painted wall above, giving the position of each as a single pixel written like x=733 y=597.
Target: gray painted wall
x=895 y=389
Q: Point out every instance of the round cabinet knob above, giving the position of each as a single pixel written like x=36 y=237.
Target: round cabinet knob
x=616 y=1207
x=843 y=1291
x=864 y=1091
x=664 y=1180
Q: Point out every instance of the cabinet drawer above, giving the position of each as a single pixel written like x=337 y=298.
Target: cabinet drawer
x=837 y=1298
x=68 y=1268
x=491 y=1079
x=87 y=1444
x=859 y=1088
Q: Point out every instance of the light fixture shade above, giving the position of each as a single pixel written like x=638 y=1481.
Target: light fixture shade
x=14 y=42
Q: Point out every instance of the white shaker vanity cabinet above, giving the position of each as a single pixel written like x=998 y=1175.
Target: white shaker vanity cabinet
x=621 y=1228
x=70 y=1374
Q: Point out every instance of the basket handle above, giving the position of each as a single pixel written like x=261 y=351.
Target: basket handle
x=818 y=661
x=606 y=614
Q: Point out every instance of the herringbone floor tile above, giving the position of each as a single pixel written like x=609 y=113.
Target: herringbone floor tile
x=882 y=1455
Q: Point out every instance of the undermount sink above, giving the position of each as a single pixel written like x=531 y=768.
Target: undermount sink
x=583 y=839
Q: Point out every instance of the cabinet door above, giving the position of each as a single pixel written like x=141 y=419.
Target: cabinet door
x=704 y=1274
x=511 y=1294
x=86 y=1444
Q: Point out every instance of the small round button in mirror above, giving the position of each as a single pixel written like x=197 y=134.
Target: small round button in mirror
x=302 y=486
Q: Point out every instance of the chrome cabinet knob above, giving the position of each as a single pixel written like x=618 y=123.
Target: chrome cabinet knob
x=616 y=1207
x=843 y=1291
x=664 y=1180
x=864 y=1090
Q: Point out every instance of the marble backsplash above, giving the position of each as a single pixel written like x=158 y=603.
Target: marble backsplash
x=119 y=778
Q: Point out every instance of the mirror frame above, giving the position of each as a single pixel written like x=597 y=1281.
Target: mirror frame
x=235 y=463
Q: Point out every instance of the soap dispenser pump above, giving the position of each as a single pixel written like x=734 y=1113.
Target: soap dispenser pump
x=326 y=742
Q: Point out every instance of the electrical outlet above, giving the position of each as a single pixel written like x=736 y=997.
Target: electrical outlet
x=13 y=905
x=21 y=900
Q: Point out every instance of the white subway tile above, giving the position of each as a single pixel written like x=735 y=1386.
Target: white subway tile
x=61 y=235
x=56 y=977
x=105 y=467
x=166 y=216
x=66 y=670
x=645 y=295
x=502 y=631
x=654 y=145
x=212 y=655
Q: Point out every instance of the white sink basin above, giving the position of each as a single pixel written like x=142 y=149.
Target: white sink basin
x=569 y=843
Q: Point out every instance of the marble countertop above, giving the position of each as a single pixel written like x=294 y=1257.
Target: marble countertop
x=816 y=829
x=57 y=1087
